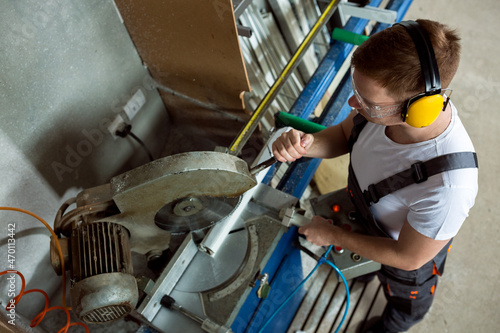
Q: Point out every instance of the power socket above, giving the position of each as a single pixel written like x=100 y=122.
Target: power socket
x=134 y=104
x=118 y=124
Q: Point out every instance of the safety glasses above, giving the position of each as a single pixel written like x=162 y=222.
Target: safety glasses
x=375 y=110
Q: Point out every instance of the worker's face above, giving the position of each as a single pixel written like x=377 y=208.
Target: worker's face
x=373 y=101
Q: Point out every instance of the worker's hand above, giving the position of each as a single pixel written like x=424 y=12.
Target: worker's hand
x=292 y=145
x=320 y=231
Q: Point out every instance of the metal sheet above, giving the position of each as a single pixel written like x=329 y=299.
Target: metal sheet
x=294 y=36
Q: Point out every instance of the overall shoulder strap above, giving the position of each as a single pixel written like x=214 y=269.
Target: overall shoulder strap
x=356 y=194
x=419 y=172
x=359 y=123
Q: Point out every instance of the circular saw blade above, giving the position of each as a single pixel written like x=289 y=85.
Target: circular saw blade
x=194 y=213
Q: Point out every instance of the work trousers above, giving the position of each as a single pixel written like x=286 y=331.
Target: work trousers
x=410 y=293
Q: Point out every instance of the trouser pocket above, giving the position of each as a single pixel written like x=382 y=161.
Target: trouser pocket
x=413 y=301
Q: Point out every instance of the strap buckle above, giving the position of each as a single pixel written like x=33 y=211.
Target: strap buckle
x=371 y=194
x=419 y=172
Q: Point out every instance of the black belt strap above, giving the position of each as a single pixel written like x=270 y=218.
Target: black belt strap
x=418 y=173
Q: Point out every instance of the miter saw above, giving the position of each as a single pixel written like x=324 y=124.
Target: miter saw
x=207 y=218
x=207 y=210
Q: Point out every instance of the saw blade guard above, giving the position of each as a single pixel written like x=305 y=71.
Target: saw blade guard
x=177 y=194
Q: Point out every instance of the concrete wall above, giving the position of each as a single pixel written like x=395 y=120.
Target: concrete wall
x=66 y=69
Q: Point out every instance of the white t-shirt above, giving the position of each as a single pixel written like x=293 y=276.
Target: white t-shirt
x=435 y=208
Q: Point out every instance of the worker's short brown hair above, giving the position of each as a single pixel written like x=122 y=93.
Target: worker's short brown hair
x=390 y=58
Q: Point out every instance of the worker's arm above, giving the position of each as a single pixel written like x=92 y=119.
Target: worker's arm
x=328 y=143
x=410 y=251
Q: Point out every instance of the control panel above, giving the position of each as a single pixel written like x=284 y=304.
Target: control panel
x=338 y=208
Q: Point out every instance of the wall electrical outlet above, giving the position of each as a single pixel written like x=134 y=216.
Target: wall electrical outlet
x=134 y=104
x=117 y=124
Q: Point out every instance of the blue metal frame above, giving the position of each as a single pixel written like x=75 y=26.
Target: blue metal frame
x=300 y=173
x=285 y=274
x=326 y=71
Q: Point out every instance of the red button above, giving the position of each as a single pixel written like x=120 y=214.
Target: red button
x=336 y=208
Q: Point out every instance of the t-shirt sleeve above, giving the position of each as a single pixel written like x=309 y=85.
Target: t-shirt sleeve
x=440 y=213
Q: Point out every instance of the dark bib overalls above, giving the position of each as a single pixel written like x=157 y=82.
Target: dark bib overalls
x=409 y=293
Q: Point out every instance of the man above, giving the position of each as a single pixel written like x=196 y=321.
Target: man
x=417 y=222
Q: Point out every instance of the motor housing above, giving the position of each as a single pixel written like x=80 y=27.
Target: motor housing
x=103 y=286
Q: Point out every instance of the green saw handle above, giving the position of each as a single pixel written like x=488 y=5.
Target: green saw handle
x=306 y=126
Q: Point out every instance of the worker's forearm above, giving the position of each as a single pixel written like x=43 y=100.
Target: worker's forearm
x=379 y=249
x=386 y=251
x=328 y=143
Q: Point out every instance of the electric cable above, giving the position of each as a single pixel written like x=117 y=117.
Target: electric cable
x=288 y=298
x=38 y=318
x=16 y=299
x=60 y=213
x=321 y=261
x=127 y=130
x=347 y=292
x=142 y=145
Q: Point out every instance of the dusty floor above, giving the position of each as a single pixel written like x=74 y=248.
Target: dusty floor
x=467 y=299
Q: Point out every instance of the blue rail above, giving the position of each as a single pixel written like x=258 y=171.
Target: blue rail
x=300 y=173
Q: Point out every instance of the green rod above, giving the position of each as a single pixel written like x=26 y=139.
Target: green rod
x=348 y=36
x=306 y=126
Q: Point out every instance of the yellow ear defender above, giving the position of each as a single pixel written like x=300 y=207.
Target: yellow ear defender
x=423 y=109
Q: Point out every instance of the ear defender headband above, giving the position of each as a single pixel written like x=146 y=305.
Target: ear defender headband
x=423 y=109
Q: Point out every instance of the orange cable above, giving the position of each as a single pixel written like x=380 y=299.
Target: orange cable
x=56 y=240
x=40 y=316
